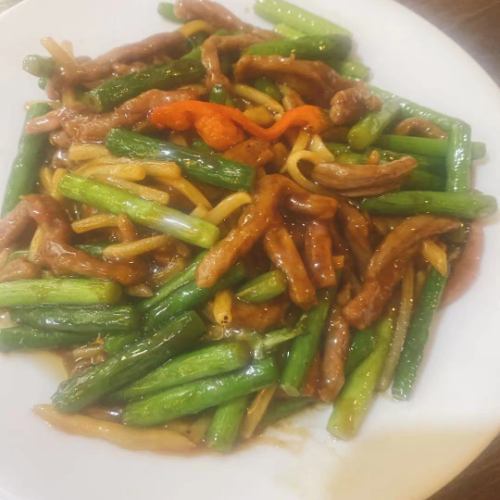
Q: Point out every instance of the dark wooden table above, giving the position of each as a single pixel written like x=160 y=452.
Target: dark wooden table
x=475 y=25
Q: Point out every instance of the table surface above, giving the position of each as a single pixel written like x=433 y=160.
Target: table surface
x=475 y=25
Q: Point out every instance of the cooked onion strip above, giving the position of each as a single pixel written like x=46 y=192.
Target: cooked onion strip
x=130 y=172
x=292 y=167
x=144 y=192
x=98 y=221
x=227 y=206
x=256 y=411
x=162 y=169
x=258 y=97
x=435 y=254
x=85 y=152
x=58 y=174
x=60 y=55
x=188 y=189
x=221 y=308
x=402 y=325
x=193 y=27
x=318 y=146
x=154 y=439
x=132 y=249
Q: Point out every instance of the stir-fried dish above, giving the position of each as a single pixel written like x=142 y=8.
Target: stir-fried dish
x=221 y=225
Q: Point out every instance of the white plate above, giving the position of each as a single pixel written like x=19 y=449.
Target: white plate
x=405 y=450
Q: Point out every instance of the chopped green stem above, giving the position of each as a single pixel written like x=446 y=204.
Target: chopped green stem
x=418 y=333
x=352 y=68
x=220 y=95
x=130 y=364
x=116 y=342
x=24 y=337
x=282 y=12
x=459 y=158
x=77 y=291
x=369 y=129
x=225 y=425
x=269 y=87
x=190 y=296
x=208 y=168
x=283 y=408
x=189 y=399
x=264 y=344
x=472 y=205
x=362 y=345
x=314 y=47
x=213 y=360
x=30 y=155
x=145 y=212
x=38 y=65
x=263 y=288
x=78 y=319
x=180 y=279
x=424 y=146
x=304 y=347
x=117 y=90
x=357 y=394
x=287 y=31
x=410 y=109
x=166 y=10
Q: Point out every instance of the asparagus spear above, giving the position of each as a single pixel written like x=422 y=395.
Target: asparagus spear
x=70 y=291
x=115 y=91
x=304 y=347
x=78 y=319
x=369 y=128
x=280 y=11
x=132 y=363
x=25 y=337
x=190 y=296
x=465 y=205
x=194 y=397
x=315 y=47
x=213 y=360
x=148 y=213
x=208 y=168
x=225 y=425
x=265 y=287
x=24 y=171
x=354 y=401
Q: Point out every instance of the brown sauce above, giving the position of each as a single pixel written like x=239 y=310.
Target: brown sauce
x=467 y=267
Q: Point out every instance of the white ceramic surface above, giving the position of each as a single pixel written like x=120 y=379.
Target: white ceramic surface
x=405 y=450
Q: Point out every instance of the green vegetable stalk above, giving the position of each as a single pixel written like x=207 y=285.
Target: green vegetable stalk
x=115 y=91
x=225 y=425
x=24 y=171
x=355 y=399
x=263 y=288
x=128 y=365
x=213 y=360
x=464 y=205
x=192 y=398
x=208 y=168
x=147 y=213
x=62 y=291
